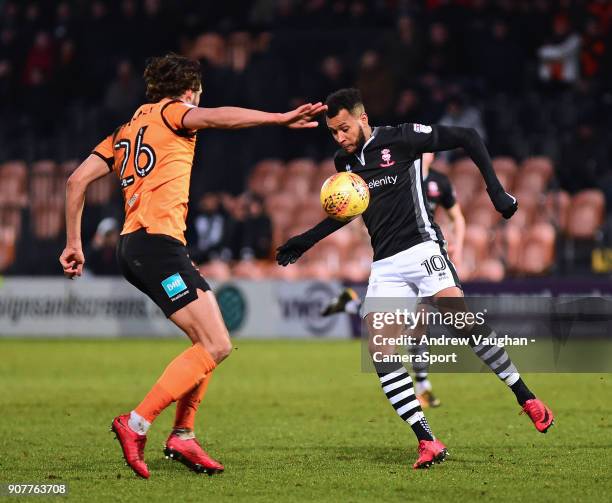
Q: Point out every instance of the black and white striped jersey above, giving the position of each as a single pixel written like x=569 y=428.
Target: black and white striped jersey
x=398 y=216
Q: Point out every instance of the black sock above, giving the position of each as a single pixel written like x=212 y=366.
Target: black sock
x=421 y=429
x=522 y=392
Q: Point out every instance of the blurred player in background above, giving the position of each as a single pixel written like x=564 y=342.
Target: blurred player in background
x=152 y=156
x=439 y=192
x=410 y=259
x=102 y=251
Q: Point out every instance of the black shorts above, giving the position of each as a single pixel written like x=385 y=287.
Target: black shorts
x=159 y=266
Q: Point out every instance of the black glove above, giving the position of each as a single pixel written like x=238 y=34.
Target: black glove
x=297 y=245
x=504 y=203
x=292 y=250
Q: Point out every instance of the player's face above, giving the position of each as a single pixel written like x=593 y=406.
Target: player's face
x=348 y=130
x=192 y=97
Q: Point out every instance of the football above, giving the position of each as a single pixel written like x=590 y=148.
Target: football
x=344 y=196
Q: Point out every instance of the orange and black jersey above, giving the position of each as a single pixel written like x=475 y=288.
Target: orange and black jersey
x=152 y=155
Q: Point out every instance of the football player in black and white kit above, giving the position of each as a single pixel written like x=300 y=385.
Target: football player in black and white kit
x=410 y=259
x=440 y=193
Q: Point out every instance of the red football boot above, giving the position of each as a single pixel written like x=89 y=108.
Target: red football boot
x=541 y=415
x=132 y=445
x=190 y=453
x=430 y=452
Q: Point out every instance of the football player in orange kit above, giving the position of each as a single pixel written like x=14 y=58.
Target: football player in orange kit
x=152 y=155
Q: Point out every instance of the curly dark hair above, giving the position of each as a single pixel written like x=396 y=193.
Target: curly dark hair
x=170 y=76
x=343 y=99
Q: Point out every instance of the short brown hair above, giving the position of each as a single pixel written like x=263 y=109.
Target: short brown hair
x=344 y=99
x=170 y=76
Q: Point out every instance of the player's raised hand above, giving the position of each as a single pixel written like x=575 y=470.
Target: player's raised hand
x=504 y=203
x=302 y=116
x=72 y=260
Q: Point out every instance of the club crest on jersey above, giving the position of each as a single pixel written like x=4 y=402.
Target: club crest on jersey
x=386 y=157
x=420 y=128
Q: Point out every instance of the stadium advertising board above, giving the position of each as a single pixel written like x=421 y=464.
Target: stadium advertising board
x=99 y=307
x=112 y=308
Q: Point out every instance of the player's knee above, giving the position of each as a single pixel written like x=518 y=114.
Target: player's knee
x=222 y=344
x=221 y=349
x=372 y=347
x=219 y=346
x=380 y=346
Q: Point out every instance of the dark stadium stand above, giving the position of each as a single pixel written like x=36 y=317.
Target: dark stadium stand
x=548 y=223
x=65 y=85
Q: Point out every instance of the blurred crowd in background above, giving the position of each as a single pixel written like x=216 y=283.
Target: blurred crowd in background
x=534 y=77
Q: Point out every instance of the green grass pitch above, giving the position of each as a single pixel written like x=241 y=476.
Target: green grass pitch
x=294 y=421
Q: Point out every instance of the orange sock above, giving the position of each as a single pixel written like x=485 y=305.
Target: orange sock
x=188 y=404
x=180 y=376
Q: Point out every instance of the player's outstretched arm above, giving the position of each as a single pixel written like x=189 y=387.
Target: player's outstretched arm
x=449 y=138
x=238 y=118
x=296 y=246
x=72 y=258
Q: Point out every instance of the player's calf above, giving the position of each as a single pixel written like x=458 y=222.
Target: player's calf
x=395 y=381
x=201 y=320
